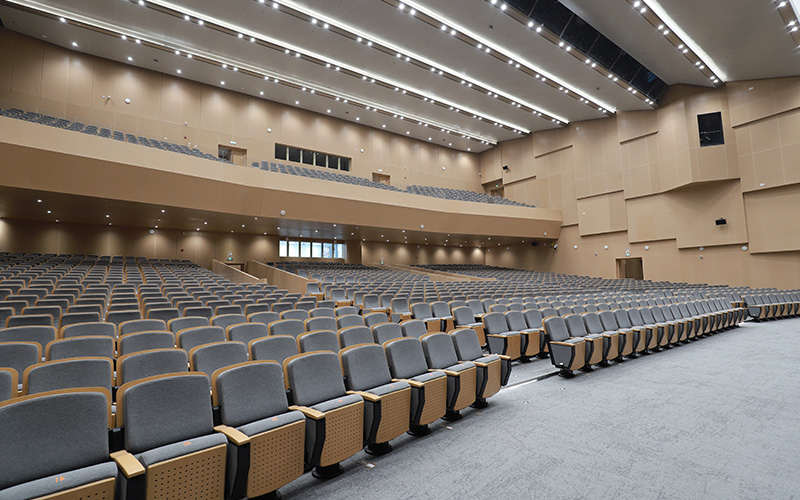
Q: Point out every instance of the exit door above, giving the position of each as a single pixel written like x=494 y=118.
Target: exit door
x=630 y=268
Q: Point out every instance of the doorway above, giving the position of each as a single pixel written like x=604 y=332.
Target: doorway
x=381 y=178
x=237 y=156
x=630 y=268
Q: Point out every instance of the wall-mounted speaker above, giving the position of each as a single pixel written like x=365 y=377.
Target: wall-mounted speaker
x=505 y=168
x=534 y=243
x=721 y=221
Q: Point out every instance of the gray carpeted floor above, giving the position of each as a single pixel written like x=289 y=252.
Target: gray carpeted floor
x=714 y=419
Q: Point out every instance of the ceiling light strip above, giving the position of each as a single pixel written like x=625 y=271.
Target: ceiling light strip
x=392 y=50
x=652 y=11
x=790 y=13
x=248 y=70
x=501 y=54
x=234 y=30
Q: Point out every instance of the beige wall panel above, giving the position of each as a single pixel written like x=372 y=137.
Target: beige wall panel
x=650 y=218
x=602 y=214
x=635 y=124
x=150 y=95
x=8 y=40
x=491 y=164
x=210 y=109
x=28 y=62
x=772 y=219
x=55 y=73
x=552 y=140
x=697 y=207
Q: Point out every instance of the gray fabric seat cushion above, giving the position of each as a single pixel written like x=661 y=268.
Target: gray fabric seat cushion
x=385 y=389
x=182 y=448
x=333 y=404
x=274 y=422
x=427 y=377
x=460 y=367
x=487 y=359
x=54 y=483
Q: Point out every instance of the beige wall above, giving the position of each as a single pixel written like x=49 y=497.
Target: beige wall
x=411 y=254
x=38 y=76
x=641 y=179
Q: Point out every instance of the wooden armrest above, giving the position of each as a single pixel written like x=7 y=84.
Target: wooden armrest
x=308 y=412
x=504 y=356
x=568 y=344
x=477 y=363
x=412 y=383
x=366 y=395
x=449 y=373
x=128 y=463
x=236 y=437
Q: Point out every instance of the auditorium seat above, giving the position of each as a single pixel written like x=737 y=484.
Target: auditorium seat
x=334 y=418
x=461 y=376
x=167 y=425
x=40 y=334
x=318 y=340
x=530 y=337
x=422 y=311
x=428 y=388
x=499 y=338
x=143 y=364
x=355 y=335
x=492 y=370
x=266 y=439
x=273 y=348
x=178 y=324
x=385 y=332
x=190 y=338
x=463 y=317
x=67 y=374
x=141 y=325
x=56 y=443
x=567 y=353
x=387 y=403
x=9 y=382
x=207 y=358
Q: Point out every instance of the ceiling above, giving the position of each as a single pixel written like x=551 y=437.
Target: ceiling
x=425 y=68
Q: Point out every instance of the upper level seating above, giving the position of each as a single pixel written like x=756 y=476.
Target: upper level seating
x=462 y=195
x=105 y=133
x=318 y=173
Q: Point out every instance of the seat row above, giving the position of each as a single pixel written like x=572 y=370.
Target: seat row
x=262 y=424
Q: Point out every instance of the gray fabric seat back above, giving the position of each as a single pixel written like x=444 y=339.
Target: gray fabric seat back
x=265 y=317
x=564 y=310
x=300 y=314
x=279 y=307
x=9 y=383
x=142 y=325
x=515 y=321
x=322 y=312
x=384 y=332
x=78 y=347
x=275 y=348
x=556 y=328
x=210 y=357
x=149 y=363
x=118 y=317
x=314 y=377
x=533 y=318
x=422 y=310
x=463 y=316
x=245 y=332
x=42 y=335
x=622 y=318
x=439 y=351
x=199 y=335
x=500 y=308
x=320 y=323
x=320 y=340
x=414 y=328
x=365 y=367
x=440 y=310
x=647 y=315
x=376 y=318
x=400 y=305
x=71 y=427
x=608 y=320
x=292 y=327
x=349 y=320
x=355 y=335
x=635 y=317
x=371 y=301
x=29 y=320
x=592 y=323
x=166 y=410
x=199 y=311
x=466 y=344
x=495 y=323
x=345 y=311
x=164 y=314
x=658 y=314
x=226 y=320
x=250 y=392
x=179 y=324
x=68 y=374
x=549 y=311
x=84 y=329
x=255 y=308
x=19 y=356
x=457 y=303
x=406 y=358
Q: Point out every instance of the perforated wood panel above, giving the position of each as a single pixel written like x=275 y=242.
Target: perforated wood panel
x=276 y=458
x=481 y=336
x=100 y=490
x=534 y=340
x=492 y=379
x=597 y=353
x=435 y=401
x=344 y=433
x=466 y=396
x=395 y=408
x=613 y=351
x=514 y=346
x=580 y=356
x=197 y=476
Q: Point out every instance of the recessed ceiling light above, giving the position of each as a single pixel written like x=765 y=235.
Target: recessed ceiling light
x=179 y=72
x=130 y=58
x=74 y=44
